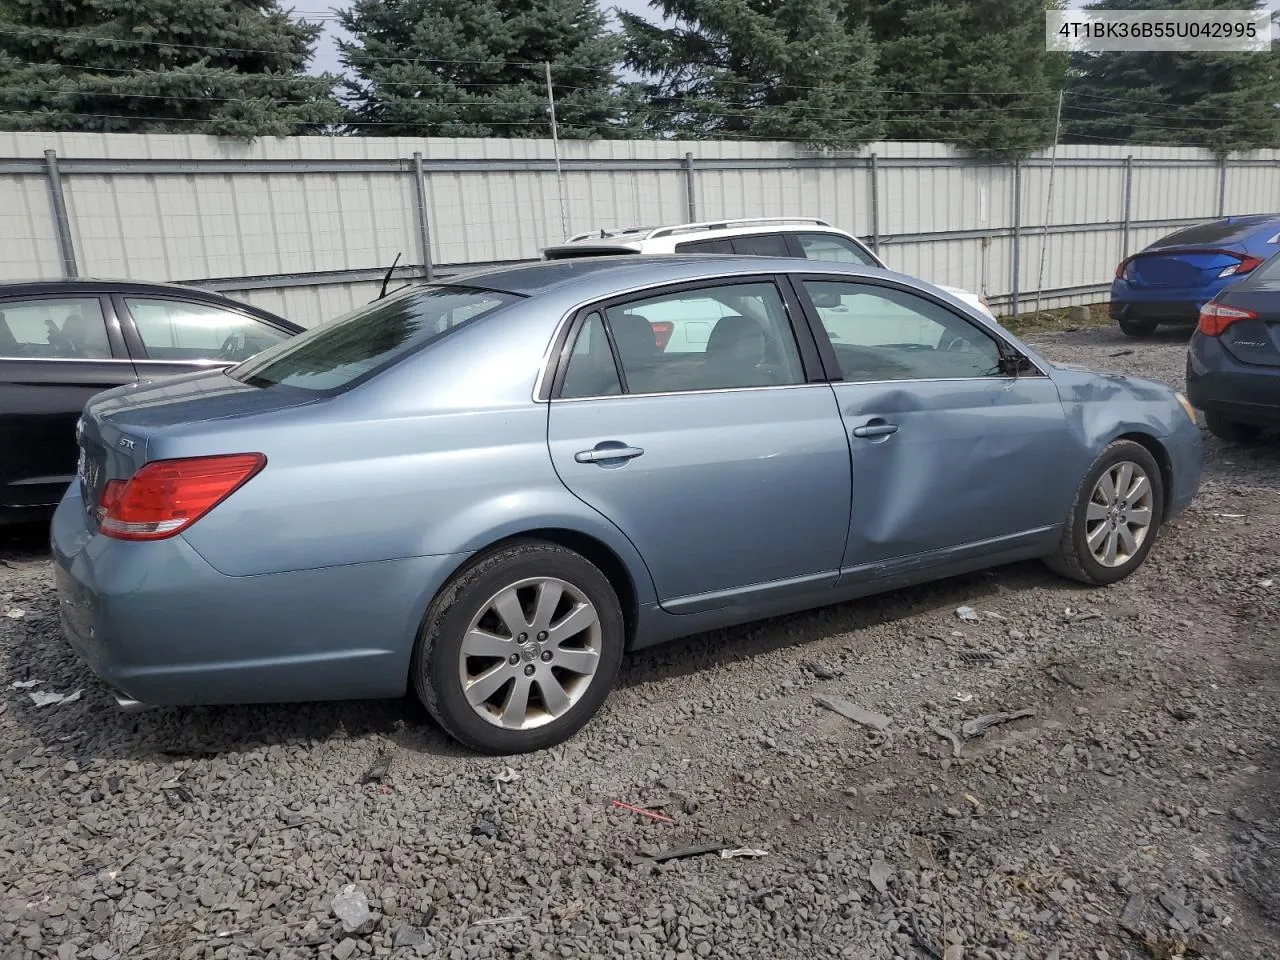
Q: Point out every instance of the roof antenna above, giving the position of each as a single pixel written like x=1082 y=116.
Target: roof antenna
x=387 y=279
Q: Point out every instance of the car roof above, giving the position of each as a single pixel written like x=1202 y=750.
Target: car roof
x=81 y=286
x=592 y=274
x=1219 y=233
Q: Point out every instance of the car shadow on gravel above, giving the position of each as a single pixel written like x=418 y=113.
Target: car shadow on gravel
x=695 y=653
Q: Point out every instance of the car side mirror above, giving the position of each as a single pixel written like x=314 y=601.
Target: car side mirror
x=1016 y=365
x=826 y=301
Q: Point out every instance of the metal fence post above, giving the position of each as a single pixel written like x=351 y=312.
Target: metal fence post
x=1128 y=207
x=60 y=222
x=690 y=203
x=1017 y=235
x=875 y=205
x=1222 y=187
x=424 y=220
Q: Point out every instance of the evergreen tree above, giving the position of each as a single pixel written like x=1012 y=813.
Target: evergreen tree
x=1223 y=101
x=223 y=67
x=475 y=68
x=972 y=72
x=769 y=69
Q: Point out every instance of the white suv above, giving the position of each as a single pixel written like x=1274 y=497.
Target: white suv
x=763 y=237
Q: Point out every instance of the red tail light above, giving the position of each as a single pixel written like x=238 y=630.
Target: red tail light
x=1215 y=318
x=1244 y=266
x=167 y=496
x=662 y=333
x=1124 y=265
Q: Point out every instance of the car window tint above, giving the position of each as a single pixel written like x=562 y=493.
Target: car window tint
x=704 y=246
x=1221 y=232
x=55 y=329
x=712 y=338
x=591 y=371
x=343 y=352
x=762 y=245
x=177 y=330
x=879 y=333
x=829 y=246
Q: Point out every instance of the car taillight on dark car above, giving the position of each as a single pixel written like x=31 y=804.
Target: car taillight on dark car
x=167 y=496
x=1216 y=317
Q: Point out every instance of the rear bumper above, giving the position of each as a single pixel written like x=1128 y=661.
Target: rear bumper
x=1219 y=383
x=161 y=626
x=1161 y=305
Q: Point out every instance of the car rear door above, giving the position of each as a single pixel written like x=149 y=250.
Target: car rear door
x=170 y=335
x=727 y=467
x=56 y=351
x=952 y=455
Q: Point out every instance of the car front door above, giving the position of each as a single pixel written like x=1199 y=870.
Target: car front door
x=728 y=466
x=56 y=352
x=952 y=453
x=169 y=336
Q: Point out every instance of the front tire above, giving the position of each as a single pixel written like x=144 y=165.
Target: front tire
x=1231 y=430
x=1114 y=518
x=520 y=648
x=1137 y=328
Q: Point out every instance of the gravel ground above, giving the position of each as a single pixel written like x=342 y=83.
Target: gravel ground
x=1135 y=814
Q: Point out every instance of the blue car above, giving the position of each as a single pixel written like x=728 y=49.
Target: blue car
x=487 y=490
x=1172 y=279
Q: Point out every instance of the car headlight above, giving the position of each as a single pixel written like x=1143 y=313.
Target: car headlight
x=1186 y=405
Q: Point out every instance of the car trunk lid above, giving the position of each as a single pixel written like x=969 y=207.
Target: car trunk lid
x=1255 y=340
x=1179 y=269
x=120 y=429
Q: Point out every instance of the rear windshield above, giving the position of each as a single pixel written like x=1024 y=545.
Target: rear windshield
x=342 y=352
x=1220 y=232
x=1267 y=275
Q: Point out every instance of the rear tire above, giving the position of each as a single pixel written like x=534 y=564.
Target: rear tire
x=1138 y=328
x=1231 y=430
x=503 y=689
x=1107 y=537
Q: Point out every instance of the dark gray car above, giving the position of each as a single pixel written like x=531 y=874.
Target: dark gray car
x=1233 y=363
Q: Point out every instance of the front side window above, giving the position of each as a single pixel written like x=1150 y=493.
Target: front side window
x=343 y=352
x=711 y=338
x=879 y=333
x=179 y=330
x=54 y=329
x=833 y=247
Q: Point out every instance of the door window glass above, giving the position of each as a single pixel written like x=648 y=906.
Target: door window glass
x=62 y=329
x=711 y=338
x=831 y=246
x=591 y=371
x=178 y=330
x=762 y=245
x=879 y=333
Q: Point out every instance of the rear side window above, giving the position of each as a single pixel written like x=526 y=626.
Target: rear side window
x=54 y=329
x=762 y=245
x=343 y=352
x=704 y=246
x=179 y=330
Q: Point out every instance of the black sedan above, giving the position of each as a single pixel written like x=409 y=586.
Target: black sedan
x=62 y=341
x=1233 y=363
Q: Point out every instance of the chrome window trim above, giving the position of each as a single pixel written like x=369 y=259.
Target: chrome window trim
x=67 y=359
x=1002 y=378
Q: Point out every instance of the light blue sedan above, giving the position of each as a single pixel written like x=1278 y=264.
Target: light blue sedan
x=489 y=489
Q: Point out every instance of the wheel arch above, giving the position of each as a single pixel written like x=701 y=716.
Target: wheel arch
x=1157 y=450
